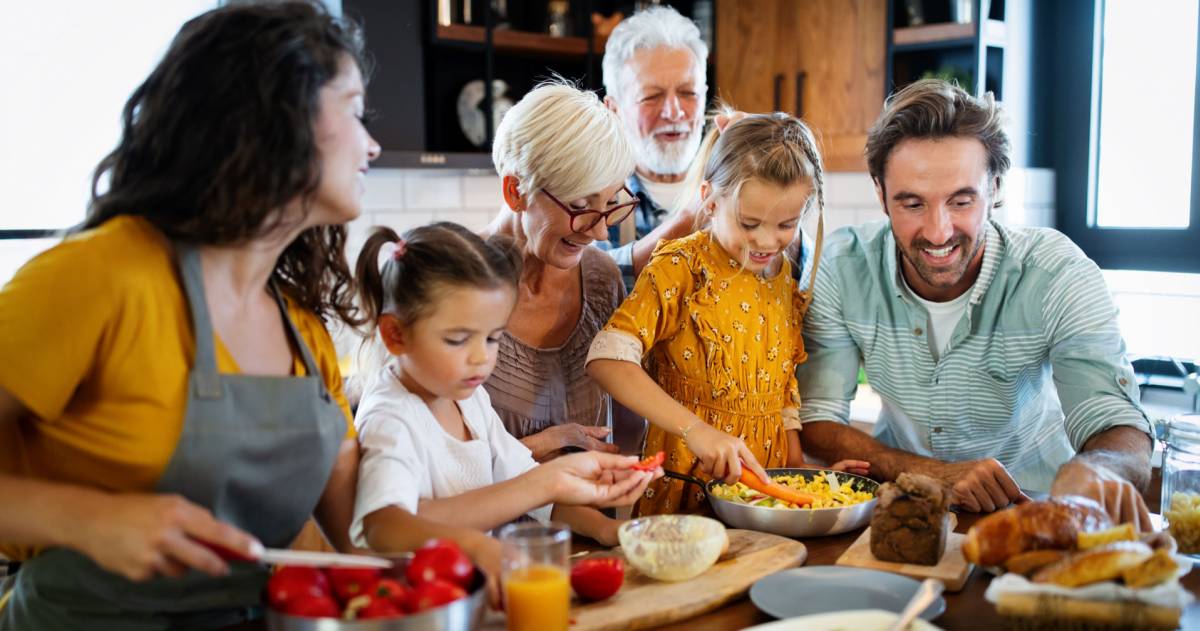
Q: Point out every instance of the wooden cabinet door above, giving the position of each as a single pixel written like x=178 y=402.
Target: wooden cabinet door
x=754 y=56
x=820 y=59
x=839 y=48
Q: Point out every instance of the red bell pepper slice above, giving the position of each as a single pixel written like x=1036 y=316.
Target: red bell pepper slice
x=651 y=463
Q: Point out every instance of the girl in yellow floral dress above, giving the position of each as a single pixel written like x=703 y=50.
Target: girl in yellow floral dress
x=706 y=345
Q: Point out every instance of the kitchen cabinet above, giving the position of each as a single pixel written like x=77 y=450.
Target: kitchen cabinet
x=822 y=60
x=984 y=46
x=438 y=62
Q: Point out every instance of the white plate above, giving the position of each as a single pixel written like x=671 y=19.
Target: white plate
x=829 y=588
x=865 y=620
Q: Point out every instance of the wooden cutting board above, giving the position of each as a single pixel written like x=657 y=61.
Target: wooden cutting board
x=644 y=602
x=952 y=570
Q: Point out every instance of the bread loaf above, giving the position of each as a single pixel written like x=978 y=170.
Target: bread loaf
x=1052 y=524
x=910 y=522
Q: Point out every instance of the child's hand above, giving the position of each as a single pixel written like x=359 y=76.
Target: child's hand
x=608 y=533
x=857 y=467
x=722 y=455
x=596 y=479
x=485 y=552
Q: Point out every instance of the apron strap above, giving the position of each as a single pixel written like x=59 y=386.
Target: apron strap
x=204 y=365
x=310 y=364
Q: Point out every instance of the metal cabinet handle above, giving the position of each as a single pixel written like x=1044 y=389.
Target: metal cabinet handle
x=778 y=93
x=800 y=77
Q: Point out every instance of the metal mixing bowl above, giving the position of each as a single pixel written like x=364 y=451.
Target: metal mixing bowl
x=793 y=522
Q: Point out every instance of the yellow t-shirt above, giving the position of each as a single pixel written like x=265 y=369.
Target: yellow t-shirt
x=96 y=341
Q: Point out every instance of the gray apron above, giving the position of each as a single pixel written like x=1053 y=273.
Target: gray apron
x=257 y=451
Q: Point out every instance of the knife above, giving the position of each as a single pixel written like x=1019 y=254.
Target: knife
x=296 y=557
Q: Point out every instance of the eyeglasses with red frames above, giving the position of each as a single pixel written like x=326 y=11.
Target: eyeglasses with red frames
x=586 y=219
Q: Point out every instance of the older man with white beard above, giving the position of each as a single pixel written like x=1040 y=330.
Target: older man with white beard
x=655 y=77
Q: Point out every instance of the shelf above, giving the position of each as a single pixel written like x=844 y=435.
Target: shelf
x=947 y=34
x=504 y=40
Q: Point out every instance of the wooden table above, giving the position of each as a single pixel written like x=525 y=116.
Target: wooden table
x=966 y=609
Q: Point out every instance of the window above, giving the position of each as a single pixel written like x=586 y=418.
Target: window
x=1146 y=114
x=1129 y=177
x=70 y=71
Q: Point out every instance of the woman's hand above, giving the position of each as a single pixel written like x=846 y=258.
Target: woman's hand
x=140 y=536
x=596 y=479
x=721 y=455
x=548 y=442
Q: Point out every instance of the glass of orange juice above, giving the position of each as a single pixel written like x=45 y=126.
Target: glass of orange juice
x=537 y=593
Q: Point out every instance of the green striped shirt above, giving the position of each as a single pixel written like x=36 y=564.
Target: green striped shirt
x=1034 y=369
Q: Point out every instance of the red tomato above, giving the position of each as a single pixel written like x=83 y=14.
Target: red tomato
x=349 y=582
x=291 y=582
x=380 y=608
x=434 y=593
x=651 y=463
x=369 y=606
x=597 y=579
x=440 y=559
x=393 y=590
x=313 y=607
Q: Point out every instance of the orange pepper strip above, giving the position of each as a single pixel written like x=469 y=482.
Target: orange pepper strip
x=776 y=490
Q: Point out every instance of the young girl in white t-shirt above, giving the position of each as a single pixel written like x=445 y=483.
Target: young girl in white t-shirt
x=431 y=442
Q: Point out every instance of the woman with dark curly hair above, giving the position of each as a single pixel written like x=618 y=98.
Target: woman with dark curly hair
x=168 y=378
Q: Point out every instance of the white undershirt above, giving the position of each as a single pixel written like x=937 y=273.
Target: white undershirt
x=943 y=318
x=665 y=194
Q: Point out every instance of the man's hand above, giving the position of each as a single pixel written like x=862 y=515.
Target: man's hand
x=980 y=486
x=1120 y=499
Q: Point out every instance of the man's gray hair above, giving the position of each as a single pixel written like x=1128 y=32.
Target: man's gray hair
x=654 y=27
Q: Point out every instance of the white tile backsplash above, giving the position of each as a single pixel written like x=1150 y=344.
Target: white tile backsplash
x=475 y=219
x=404 y=198
x=385 y=189
x=432 y=189
x=849 y=189
x=481 y=191
x=401 y=220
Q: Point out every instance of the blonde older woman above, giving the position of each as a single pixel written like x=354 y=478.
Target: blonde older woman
x=563 y=159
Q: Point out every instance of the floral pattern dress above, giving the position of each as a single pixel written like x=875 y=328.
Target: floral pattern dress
x=722 y=341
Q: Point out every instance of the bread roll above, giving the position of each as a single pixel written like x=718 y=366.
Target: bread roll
x=1049 y=524
x=1026 y=563
x=1102 y=563
x=1160 y=567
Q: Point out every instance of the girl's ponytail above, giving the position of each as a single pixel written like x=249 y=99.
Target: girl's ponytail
x=370 y=277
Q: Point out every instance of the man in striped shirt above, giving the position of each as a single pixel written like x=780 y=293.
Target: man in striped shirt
x=995 y=350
